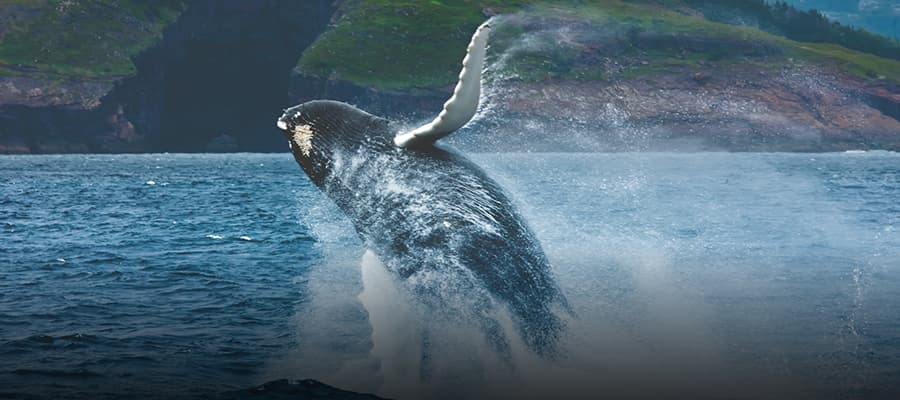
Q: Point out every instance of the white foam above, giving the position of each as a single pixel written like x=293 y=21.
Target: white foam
x=424 y=353
x=396 y=338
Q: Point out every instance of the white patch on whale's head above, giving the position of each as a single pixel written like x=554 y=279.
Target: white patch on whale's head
x=302 y=138
x=299 y=133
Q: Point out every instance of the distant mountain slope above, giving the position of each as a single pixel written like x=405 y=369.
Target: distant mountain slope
x=808 y=26
x=878 y=16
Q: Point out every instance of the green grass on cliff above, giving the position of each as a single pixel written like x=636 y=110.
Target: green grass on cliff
x=403 y=44
x=860 y=64
x=399 y=43
x=80 y=39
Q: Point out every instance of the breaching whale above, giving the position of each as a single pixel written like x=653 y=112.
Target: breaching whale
x=433 y=217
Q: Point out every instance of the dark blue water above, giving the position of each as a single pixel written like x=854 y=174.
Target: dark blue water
x=110 y=282
x=162 y=275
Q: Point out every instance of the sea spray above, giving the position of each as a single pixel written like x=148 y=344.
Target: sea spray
x=405 y=347
x=519 y=111
x=396 y=336
x=423 y=354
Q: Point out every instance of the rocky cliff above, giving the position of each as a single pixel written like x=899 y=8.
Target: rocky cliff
x=214 y=80
x=610 y=76
x=665 y=91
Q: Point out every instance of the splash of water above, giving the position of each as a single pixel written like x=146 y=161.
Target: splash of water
x=423 y=357
x=519 y=108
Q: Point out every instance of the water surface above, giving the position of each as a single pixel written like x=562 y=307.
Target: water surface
x=157 y=275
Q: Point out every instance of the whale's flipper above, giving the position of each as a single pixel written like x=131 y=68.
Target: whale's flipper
x=461 y=107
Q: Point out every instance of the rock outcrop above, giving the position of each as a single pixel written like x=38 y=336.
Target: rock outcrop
x=220 y=71
x=733 y=108
x=296 y=390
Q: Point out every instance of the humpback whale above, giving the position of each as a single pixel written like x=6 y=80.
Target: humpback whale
x=446 y=230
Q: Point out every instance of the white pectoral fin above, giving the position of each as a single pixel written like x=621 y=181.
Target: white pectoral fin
x=463 y=105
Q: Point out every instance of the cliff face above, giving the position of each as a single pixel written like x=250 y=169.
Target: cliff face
x=618 y=77
x=215 y=82
x=562 y=81
x=731 y=108
x=681 y=91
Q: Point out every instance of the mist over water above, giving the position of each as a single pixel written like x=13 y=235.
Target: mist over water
x=518 y=112
x=708 y=274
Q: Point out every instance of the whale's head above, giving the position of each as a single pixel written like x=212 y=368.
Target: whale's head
x=317 y=130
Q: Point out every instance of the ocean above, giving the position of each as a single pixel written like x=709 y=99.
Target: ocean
x=739 y=275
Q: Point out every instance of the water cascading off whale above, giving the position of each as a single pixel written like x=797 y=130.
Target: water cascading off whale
x=435 y=219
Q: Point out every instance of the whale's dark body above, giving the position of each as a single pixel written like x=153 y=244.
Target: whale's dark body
x=433 y=217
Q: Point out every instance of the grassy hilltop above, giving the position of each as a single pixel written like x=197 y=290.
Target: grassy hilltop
x=399 y=44
x=79 y=39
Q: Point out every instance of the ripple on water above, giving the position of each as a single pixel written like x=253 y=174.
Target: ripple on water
x=133 y=268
